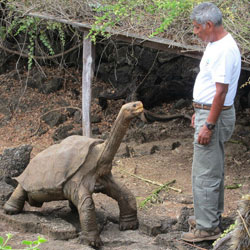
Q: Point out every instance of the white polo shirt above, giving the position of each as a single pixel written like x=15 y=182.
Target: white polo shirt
x=221 y=62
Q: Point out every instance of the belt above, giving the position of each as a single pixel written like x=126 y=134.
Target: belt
x=207 y=106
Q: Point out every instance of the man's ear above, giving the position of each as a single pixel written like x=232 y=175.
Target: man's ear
x=209 y=25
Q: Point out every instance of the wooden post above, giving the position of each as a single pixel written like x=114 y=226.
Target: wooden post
x=87 y=75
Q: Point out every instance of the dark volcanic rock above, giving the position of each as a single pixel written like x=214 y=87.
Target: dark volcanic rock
x=54 y=118
x=65 y=131
x=5 y=192
x=182 y=224
x=51 y=86
x=14 y=160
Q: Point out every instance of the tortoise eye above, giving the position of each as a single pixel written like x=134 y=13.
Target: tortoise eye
x=134 y=105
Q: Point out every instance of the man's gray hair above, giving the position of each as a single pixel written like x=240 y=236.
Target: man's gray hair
x=205 y=12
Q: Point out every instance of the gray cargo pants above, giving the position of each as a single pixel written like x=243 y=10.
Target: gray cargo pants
x=208 y=169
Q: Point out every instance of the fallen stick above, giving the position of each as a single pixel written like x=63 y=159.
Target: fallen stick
x=151 y=182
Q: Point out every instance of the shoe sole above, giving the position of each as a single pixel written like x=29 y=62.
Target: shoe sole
x=214 y=237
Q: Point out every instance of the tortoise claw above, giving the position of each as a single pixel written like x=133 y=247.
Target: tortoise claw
x=128 y=225
x=94 y=242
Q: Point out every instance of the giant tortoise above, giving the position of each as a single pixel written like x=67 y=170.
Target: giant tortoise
x=73 y=170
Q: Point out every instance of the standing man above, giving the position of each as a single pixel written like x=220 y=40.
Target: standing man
x=214 y=118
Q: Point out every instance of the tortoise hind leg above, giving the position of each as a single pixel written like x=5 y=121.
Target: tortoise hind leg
x=16 y=201
x=33 y=202
x=126 y=201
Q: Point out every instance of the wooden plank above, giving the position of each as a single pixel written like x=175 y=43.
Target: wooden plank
x=87 y=75
x=163 y=45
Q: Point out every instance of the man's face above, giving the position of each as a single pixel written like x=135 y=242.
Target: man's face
x=202 y=33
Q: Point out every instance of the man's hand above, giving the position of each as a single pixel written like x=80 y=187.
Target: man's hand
x=204 y=136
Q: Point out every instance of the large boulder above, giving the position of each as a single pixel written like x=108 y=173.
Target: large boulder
x=13 y=161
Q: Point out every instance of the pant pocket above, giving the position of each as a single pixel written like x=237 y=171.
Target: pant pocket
x=226 y=129
x=206 y=192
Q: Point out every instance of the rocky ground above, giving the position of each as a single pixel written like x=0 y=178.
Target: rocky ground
x=150 y=156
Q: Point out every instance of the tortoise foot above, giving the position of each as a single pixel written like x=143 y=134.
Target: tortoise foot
x=96 y=243
x=132 y=225
x=93 y=241
x=128 y=222
x=16 y=201
x=11 y=208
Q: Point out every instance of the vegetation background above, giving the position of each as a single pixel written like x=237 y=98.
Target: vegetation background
x=162 y=18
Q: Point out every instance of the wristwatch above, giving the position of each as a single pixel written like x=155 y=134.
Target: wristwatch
x=210 y=126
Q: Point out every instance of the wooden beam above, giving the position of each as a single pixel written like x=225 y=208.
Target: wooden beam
x=163 y=45
x=194 y=51
x=87 y=75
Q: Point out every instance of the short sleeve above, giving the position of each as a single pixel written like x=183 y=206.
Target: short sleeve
x=223 y=67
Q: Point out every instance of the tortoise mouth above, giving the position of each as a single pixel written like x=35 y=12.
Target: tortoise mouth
x=139 y=109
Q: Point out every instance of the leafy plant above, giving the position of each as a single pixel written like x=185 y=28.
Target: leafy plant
x=172 y=10
x=225 y=232
x=246 y=83
x=233 y=186
x=113 y=14
x=30 y=245
x=155 y=194
x=34 y=30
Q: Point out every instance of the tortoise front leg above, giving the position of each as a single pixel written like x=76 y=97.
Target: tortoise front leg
x=126 y=201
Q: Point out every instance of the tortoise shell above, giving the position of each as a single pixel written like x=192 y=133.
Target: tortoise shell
x=51 y=168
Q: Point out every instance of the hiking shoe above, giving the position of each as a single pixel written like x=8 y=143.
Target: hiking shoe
x=192 y=223
x=197 y=235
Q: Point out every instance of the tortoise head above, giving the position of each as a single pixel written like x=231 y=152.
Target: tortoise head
x=132 y=109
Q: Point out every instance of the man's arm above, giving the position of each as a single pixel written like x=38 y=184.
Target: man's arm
x=205 y=134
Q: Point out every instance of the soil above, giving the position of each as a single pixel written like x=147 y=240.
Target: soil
x=150 y=155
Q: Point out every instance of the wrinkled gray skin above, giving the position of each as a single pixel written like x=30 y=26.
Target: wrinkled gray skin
x=93 y=175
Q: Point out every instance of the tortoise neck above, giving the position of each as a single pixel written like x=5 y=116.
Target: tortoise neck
x=112 y=144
